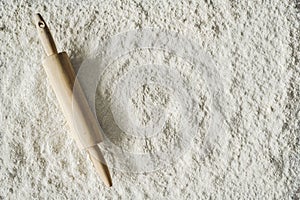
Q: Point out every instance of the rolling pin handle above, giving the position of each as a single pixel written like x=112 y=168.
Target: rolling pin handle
x=45 y=35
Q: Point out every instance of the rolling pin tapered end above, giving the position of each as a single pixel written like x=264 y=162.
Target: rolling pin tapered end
x=101 y=168
x=44 y=35
x=38 y=20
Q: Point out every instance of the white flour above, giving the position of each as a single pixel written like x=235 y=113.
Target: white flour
x=253 y=153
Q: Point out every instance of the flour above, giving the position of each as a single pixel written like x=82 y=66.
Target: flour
x=253 y=95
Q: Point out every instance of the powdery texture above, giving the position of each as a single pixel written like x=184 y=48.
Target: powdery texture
x=256 y=48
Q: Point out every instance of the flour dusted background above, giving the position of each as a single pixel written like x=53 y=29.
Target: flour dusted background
x=256 y=49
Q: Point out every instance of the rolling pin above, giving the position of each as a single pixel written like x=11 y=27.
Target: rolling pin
x=85 y=129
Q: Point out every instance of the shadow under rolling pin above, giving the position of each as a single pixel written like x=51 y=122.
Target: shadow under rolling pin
x=84 y=126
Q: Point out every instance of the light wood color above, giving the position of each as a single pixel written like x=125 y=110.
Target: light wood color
x=85 y=128
x=45 y=35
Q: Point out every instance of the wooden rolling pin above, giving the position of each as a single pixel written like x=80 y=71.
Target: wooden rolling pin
x=85 y=128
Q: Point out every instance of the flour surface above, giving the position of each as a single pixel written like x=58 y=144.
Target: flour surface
x=216 y=117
